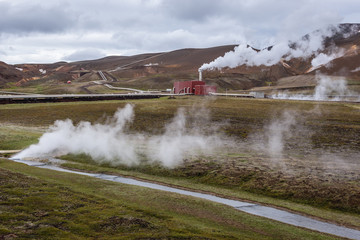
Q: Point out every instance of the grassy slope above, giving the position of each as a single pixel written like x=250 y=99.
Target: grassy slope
x=347 y=218
x=16 y=137
x=337 y=127
x=42 y=204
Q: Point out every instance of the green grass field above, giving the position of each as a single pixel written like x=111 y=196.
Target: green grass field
x=42 y=204
x=317 y=174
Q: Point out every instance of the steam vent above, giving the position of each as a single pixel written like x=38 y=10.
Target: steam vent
x=193 y=87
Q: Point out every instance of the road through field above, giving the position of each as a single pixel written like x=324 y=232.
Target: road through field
x=251 y=208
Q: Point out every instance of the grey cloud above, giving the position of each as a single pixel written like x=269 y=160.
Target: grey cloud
x=84 y=54
x=187 y=10
x=136 y=26
x=22 y=18
x=114 y=15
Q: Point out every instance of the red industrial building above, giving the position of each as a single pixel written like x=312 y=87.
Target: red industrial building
x=193 y=87
x=204 y=89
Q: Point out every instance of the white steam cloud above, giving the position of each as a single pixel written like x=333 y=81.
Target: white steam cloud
x=327 y=89
x=356 y=69
x=100 y=141
x=276 y=134
x=179 y=141
x=324 y=59
x=277 y=131
x=306 y=47
x=111 y=143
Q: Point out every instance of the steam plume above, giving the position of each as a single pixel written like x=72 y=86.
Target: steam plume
x=324 y=59
x=277 y=131
x=356 y=69
x=101 y=141
x=327 y=89
x=306 y=47
x=276 y=134
x=179 y=141
x=110 y=142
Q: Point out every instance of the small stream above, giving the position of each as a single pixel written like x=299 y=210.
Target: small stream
x=251 y=208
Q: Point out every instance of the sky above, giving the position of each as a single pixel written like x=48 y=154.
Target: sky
x=39 y=31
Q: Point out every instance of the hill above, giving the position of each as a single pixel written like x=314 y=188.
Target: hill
x=8 y=73
x=160 y=70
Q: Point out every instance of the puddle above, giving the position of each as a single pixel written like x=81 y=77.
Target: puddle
x=251 y=208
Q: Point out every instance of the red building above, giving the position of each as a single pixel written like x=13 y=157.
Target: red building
x=204 y=89
x=193 y=87
x=186 y=86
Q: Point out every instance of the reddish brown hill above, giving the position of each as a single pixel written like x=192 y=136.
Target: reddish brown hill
x=155 y=70
x=9 y=73
x=163 y=69
x=160 y=70
x=111 y=62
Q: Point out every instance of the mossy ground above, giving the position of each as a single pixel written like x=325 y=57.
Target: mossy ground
x=318 y=173
x=42 y=204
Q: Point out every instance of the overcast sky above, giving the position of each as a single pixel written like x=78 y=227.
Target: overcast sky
x=39 y=31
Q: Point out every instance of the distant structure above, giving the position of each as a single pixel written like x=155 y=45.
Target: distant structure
x=79 y=73
x=193 y=87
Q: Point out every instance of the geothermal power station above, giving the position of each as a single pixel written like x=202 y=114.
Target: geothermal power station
x=193 y=87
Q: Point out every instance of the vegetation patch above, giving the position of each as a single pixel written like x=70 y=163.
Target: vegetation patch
x=14 y=137
x=318 y=168
x=42 y=204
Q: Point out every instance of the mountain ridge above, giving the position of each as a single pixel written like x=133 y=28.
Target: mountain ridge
x=160 y=70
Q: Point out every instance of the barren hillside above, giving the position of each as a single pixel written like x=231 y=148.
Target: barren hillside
x=160 y=70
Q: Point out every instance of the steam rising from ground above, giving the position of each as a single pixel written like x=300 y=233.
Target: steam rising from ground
x=356 y=69
x=190 y=136
x=183 y=138
x=277 y=134
x=287 y=136
x=324 y=59
x=277 y=131
x=111 y=142
x=311 y=44
x=327 y=89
